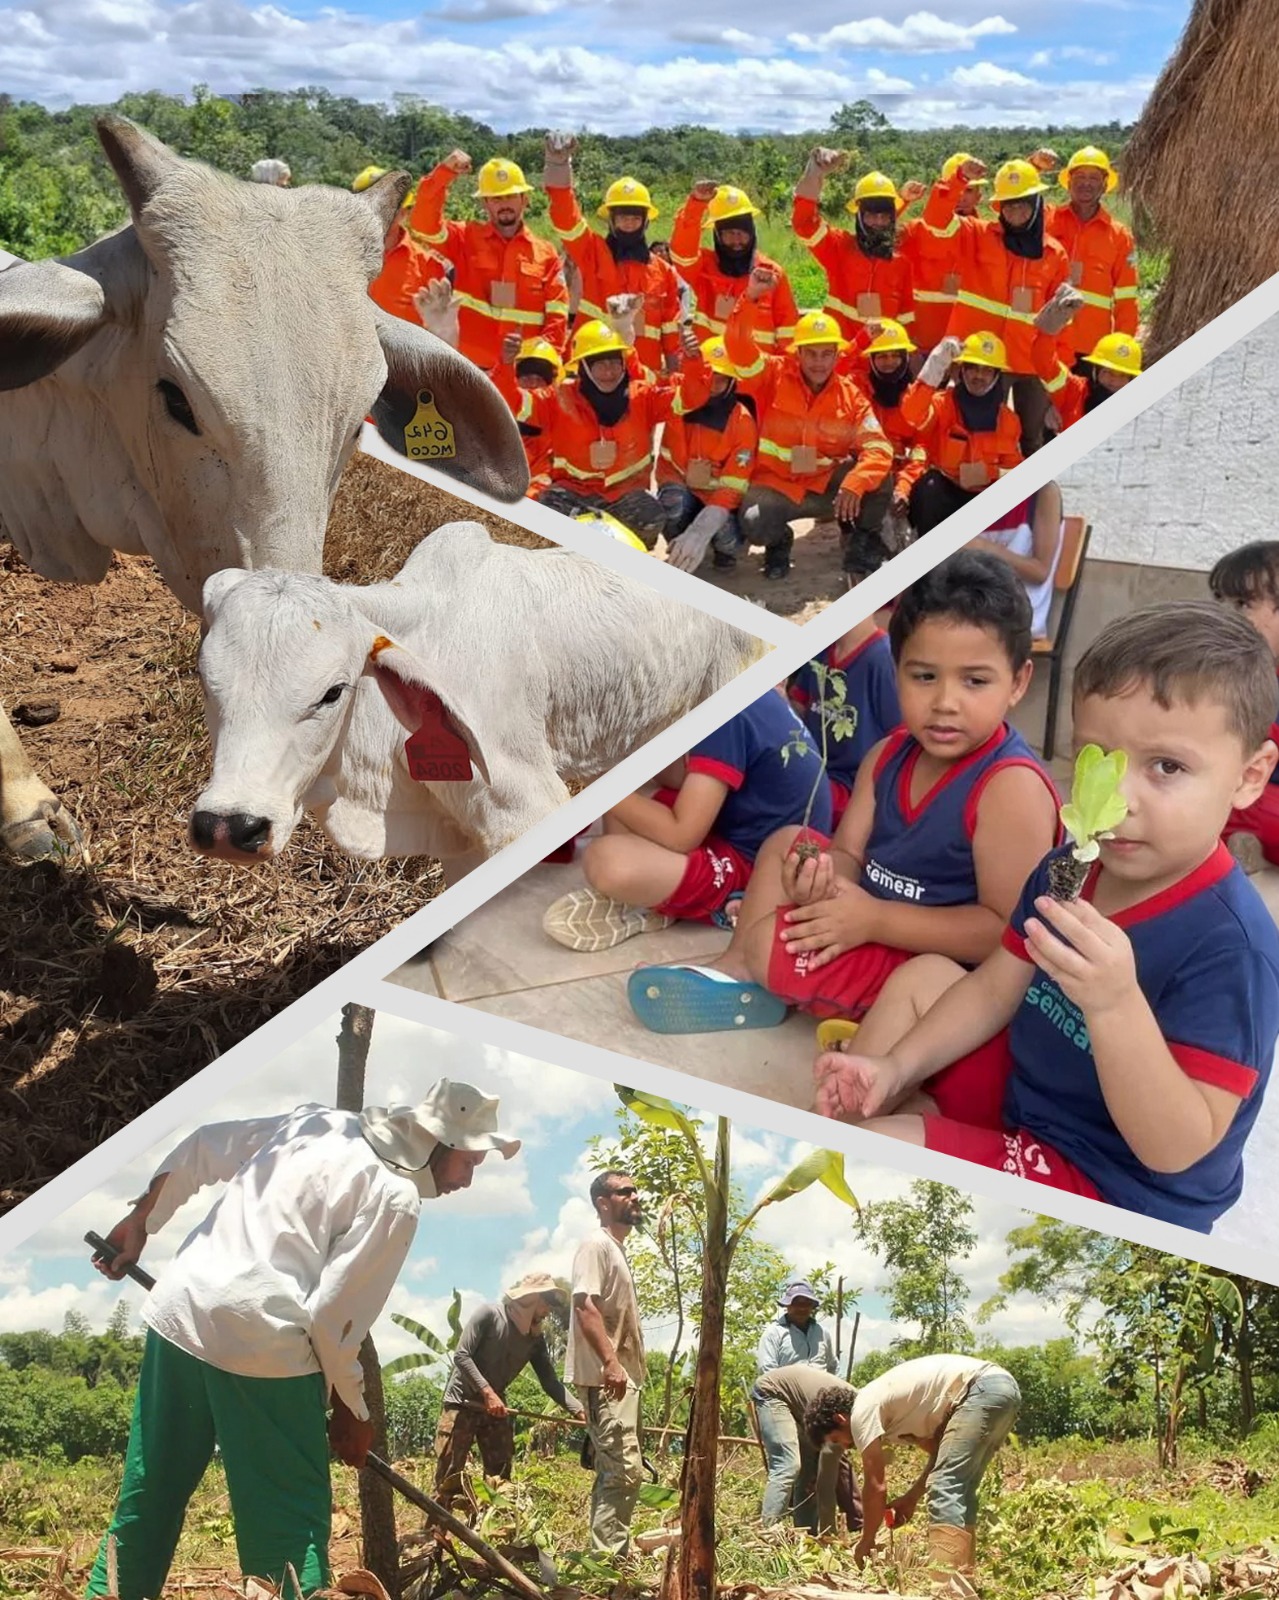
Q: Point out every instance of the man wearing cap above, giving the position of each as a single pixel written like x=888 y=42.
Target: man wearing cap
x=605 y=1361
x=255 y=1328
x=406 y=267
x=620 y=261
x=812 y=1481
x=507 y=279
x=795 y=1335
x=718 y=274
x=958 y=1410
x=497 y=1343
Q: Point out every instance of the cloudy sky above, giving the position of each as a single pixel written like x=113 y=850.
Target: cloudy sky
x=521 y=1215
x=613 y=65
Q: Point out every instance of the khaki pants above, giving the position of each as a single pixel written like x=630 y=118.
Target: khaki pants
x=458 y=1430
x=619 y=1465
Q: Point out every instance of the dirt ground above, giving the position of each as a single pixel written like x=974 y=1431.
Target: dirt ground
x=127 y=970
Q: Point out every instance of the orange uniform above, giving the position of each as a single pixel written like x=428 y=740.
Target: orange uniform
x=602 y=276
x=932 y=245
x=716 y=294
x=803 y=435
x=503 y=285
x=715 y=463
x=1102 y=264
x=859 y=288
x=1069 y=391
x=405 y=270
x=972 y=460
x=910 y=459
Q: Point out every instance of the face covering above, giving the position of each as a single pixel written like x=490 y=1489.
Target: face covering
x=525 y=1315
x=1096 y=392
x=877 y=242
x=629 y=246
x=717 y=411
x=608 y=408
x=736 y=263
x=533 y=367
x=1028 y=240
x=889 y=387
x=980 y=413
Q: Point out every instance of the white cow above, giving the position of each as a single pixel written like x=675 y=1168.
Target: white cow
x=191 y=387
x=547 y=666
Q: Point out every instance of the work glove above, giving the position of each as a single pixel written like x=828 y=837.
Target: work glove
x=1057 y=314
x=557 y=167
x=940 y=357
x=623 y=315
x=688 y=551
x=821 y=163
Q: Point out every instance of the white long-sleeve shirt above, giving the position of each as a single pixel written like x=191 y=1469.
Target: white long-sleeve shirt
x=295 y=1261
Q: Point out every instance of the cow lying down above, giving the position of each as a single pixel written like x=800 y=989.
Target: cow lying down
x=513 y=670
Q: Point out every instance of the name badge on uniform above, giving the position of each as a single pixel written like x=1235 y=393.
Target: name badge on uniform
x=1076 y=272
x=973 y=475
x=803 y=460
x=603 y=453
x=700 y=474
x=502 y=294
x=869 y=307
x=950 y=284
x=428 y=437
x=725 y=305
x=1023 y=300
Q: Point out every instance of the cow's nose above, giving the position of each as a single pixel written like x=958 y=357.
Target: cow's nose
x=250 y=834
x=208 y=829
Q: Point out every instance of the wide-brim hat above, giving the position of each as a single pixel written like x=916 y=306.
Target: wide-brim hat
x=799 y=1289
x=457 y=1115
x=540 y=1286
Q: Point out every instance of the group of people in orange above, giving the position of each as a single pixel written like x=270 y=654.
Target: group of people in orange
x=677 y=387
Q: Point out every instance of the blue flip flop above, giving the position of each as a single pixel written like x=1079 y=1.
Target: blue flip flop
x=700 y=1000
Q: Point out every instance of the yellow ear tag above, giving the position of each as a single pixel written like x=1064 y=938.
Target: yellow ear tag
x=428 y=437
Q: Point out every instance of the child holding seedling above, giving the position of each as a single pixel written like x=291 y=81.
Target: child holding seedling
x=1132 y=1029
x=688 y=850
x=1248 y=579
x=948 y=815
x=864 y=659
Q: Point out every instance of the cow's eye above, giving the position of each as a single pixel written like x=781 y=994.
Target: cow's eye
x=178 y=406
x=330 y=697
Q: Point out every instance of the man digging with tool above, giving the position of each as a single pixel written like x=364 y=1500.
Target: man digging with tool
x=497 y=1343
x=257 y=1326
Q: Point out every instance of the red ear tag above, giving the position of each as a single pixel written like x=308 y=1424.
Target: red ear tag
x=437 y=753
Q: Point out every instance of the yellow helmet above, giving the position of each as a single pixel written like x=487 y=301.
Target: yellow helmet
x=540 y=350
x=875 y=186
x=370 y=175
x=1118 y=351
x=1091 y=156
x=409 y=197
x=983 y=350
x=715 y=354
x=1017 y=180
x=628 y=192
x=729 y=202
x=892 y=337
x=596 y=339
x=952 y=165
x=815 y=327
x=500 y=177
x=610 y=525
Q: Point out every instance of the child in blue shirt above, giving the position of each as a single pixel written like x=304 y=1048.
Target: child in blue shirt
x=686 y=851
x=1134 y=1029
x=948 y=815
x=1248 y=579
x=865 y=658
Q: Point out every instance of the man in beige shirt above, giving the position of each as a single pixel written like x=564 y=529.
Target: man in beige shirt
x=605 y=1361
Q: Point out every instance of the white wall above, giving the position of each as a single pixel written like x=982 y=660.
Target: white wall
x=1197 y=474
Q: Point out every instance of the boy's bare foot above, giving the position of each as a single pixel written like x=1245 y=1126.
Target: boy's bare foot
x=852 y=1088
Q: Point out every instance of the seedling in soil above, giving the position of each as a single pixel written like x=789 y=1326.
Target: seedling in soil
x=838 y=721
x=1094 y=810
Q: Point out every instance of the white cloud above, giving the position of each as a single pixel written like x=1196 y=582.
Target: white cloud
x=986 y=75
x=921 y=33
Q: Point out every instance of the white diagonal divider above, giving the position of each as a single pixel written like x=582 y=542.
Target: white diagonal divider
x=209 y=1086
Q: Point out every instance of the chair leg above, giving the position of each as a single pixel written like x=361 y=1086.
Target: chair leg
x=1050 y=721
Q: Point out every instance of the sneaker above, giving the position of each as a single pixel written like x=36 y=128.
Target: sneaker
x=586 y=920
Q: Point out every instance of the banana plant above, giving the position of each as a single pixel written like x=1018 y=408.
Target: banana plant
x=437 y=1350
x=695 y=1570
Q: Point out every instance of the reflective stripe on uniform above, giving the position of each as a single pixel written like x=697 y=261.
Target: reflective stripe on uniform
x=976 y=302
x=948 y=232
x=572 y=233
x=482 y=308
x=1059 y=381
x=813 y=238
x=1126 y=294
x=607 y=479
x=934 y=297
x=1102 y=302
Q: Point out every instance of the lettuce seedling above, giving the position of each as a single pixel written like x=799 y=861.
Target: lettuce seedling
x=1095 y=808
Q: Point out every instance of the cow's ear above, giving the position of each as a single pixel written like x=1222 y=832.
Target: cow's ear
x=47 y=312
x=439 y=408
x=386 y=196
x=434 y=712
x=141 y=161
x=216 y=588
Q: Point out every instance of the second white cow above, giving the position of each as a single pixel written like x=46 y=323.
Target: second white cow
x=516 y=669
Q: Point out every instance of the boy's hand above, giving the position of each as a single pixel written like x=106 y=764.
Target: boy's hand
x=807 y=880
x=851 y=1088
x=830 y=927
x=1099 y=973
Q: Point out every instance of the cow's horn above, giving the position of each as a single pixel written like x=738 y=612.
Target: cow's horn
x=140 y=160
x=386 y=196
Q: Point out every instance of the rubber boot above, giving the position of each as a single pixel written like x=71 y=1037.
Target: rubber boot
x=951 y=1553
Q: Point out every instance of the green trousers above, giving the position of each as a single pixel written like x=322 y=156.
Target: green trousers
x=273 y=1439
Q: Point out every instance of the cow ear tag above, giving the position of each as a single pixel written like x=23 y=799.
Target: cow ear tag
x=428 y=437
x=436 y=753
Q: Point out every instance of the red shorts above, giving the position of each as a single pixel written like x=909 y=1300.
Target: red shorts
x=1019 y=1153
x=1260 y=818
x=713 y=872
x=846 y=987
x=971 y=1090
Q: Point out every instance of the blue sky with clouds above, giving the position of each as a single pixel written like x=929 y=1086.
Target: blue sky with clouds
x=525 y=1214
x=616 y=66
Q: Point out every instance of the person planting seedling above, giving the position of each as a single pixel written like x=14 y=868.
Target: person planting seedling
x=1095 y=809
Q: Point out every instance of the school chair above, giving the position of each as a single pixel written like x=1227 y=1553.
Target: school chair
x=1075 y=535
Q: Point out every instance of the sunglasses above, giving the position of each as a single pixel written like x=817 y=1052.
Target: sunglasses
x=623 y=1194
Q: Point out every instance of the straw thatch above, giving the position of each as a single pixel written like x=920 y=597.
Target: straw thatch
x=1198 y=166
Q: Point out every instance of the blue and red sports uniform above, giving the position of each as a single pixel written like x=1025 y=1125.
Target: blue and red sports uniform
x=919 y=852
x=1262 y=816
x=870 y=685
x=1207 y=955
x=765 y=792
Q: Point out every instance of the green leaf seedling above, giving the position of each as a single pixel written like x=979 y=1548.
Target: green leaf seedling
x=1095 y=809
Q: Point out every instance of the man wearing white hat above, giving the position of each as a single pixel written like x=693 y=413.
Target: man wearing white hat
x=257 y=1326
x=497 y=1343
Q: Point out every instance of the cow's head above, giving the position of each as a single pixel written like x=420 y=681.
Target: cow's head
x=280 y=661
x=228 y=344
